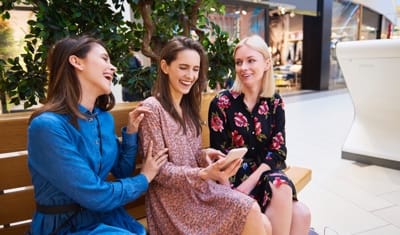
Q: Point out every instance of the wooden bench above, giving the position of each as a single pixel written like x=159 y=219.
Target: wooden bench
x=16 y=191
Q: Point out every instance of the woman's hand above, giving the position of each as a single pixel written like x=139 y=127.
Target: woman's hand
x=215 y=172
x=152 y=164
x=211 y=155
x=135 y=117
x=247 y=185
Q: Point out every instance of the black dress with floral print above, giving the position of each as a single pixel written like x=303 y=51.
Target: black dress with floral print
x=261 y=130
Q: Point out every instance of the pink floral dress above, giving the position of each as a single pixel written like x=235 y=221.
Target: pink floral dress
x=178 y=200
x=261 y=130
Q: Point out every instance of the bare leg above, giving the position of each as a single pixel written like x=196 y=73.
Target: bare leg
x=301 y=219
x=256 y=222
x=267 y=224
x=279 y=211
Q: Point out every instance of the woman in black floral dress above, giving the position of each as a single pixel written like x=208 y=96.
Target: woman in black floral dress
x=251 y=114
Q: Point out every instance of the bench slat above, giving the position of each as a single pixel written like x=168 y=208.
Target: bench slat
x=15 y=230
x=299 y=175
x=14 y=171
x=13 y=132
x=16 y=206
x=14 y=126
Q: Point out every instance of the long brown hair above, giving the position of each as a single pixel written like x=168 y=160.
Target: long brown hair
x=190 y=102
x=64 y=90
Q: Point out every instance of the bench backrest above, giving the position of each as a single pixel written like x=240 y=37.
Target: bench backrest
x=16 y=192
x=17 y=203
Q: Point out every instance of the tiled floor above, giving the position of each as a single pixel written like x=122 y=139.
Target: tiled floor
x=345 y=197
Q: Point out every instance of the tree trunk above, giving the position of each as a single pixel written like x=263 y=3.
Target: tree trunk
x=3 y=100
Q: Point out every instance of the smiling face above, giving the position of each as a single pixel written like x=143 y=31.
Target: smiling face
x=182 y=72
x=95 y=72
x=250 y=66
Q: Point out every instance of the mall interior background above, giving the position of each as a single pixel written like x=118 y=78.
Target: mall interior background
x=284 y=32
x=282 y=25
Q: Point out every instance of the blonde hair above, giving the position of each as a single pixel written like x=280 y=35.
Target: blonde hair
x=268 y=82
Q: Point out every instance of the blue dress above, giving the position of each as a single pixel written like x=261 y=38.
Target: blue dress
x=69 y=165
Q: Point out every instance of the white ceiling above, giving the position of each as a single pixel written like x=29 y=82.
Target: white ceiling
x=388 y=8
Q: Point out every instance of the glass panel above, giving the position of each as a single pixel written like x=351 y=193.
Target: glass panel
x=370 y=24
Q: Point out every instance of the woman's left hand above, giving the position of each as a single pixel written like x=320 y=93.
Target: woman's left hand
x=135 y=117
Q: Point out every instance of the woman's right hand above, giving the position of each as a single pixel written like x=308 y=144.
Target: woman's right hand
x=152 y=164
x=135 y=117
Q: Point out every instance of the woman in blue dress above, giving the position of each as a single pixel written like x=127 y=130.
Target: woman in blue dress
x=72 y=148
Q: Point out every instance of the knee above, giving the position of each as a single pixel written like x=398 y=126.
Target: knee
x=255 y=209
x=301 y=212
x=264 y=219
x=282 y=193
x=267 y=224
x=254 y=213
x=256 y=218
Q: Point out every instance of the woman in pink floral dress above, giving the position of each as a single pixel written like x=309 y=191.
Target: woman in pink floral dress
x=191 y=194
x=251 y=114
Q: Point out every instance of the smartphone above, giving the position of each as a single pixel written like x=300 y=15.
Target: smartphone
x=234 y=154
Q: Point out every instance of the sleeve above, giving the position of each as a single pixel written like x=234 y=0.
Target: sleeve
x=128 y=149
x=170 y=175
x=217 y=123
x=54 y=158
x=276 y=155
x=201 y=161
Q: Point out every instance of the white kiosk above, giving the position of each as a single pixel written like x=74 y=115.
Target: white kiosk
x=371 y=70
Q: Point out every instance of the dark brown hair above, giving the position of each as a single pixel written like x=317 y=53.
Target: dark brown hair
x=190 y=102
x=64 y=90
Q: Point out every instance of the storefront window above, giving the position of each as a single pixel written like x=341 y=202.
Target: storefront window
x=344 y=21
x=370 y=24
x=345 y=15
x=387 y=29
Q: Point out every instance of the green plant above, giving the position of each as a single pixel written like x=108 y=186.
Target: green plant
x=161 y=20
x=24 y=77
x=220 y=56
